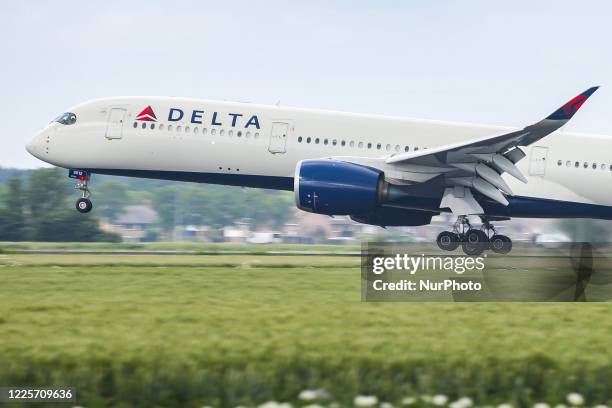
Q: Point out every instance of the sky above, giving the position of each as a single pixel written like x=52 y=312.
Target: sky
x=494 y=62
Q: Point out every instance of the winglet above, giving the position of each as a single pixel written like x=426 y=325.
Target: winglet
x=570 y=108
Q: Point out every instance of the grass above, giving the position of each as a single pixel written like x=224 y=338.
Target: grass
x=230 y=330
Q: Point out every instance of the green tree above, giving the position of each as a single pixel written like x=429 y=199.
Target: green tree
x=13 y=220
x=47 y=192
x=68 y=226
x=165 y=203
x=111 y=197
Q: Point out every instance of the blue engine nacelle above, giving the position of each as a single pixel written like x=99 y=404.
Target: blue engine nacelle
x=334 y=187
x=393 y=217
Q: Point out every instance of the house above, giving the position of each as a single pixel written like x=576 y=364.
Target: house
x=134 y=224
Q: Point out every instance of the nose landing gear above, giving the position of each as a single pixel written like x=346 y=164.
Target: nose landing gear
x=473 y=241
x=83 y=204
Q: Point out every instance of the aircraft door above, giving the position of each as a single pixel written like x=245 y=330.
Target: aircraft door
x=114 y=126
x=278 y=137
x=537 y=161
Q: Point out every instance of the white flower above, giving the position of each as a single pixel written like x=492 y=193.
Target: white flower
x=575 y=399
x=504 y=405
x=408 y=400
x=541 y=405
x=308 y=395
x=386 y=405
x=465 y=402
x=439 y=400
x=285 y=405
x=365 y=401
x=269 y=404
x=560 y=406
x=600 y=406
x=455 y=404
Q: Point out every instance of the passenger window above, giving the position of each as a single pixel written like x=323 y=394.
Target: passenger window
x=161 y=126
x=317 y=140
x=308 y=140
x=335 y=142
x=187 y=129
x=378 y=146
x=416 y=148
x=179 y=128
x=144 y=125
x=369 y=145
x=568 y=163
x=152 y=126
x=256 y=136
x=299 y=139
x=169 y=128
x=230 y=133
x=239 y=134
x=135 y=124
x=196 y=130
x=397 y=148
x=603 y=166
x=203 y=131
x=213 y=131
x=559 y=163
x=221 y=132
x=406 y=148
x=325 y=142
x=343 y=143
x=248 y=134
x=576 y=164
x=594 y=166
x=585 y=165
x=352 y=144
x=360 y=145
x=388 y=147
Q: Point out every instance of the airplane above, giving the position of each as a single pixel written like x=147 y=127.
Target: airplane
x=379 y=170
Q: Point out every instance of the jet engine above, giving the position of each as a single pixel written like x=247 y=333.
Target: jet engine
x=334 y=187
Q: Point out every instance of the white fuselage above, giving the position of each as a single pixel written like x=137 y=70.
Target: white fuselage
x=246 y=143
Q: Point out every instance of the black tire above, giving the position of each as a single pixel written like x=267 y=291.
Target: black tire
x=447 y=241
x=472 y=249
x=501 y=244
x=474 y=236
x=84 y=205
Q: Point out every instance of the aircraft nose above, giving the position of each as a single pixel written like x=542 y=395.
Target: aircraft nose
x=36 y=145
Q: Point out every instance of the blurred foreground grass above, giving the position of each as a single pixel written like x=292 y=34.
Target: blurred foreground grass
x=230 y=330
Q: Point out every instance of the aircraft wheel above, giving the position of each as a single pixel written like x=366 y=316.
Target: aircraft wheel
x=84 y=205
x=474 y=236
x=475 y=242
x=472 y=249
x=501 y=244
x=447 y=241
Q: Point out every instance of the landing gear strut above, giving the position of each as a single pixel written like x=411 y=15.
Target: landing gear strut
x=473 y=241
x=83 y=204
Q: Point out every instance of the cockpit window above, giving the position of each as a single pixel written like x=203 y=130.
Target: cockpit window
x=67 y=118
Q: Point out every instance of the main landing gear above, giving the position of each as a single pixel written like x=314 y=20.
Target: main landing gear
x=473 y=241
x=83 y=204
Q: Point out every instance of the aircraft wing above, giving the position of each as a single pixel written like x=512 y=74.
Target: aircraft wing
x=474 y=164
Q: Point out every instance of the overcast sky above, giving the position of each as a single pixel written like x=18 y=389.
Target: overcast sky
x=496 y=62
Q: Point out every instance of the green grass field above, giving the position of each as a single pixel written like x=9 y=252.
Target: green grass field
x=229 y=330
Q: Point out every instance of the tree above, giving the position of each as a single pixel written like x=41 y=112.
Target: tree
x=13 y=220
x=47 y=191
x=111 y=197
x=165 y=202
x=67 y=226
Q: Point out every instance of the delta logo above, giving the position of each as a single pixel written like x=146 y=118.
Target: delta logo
x=147 y=115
